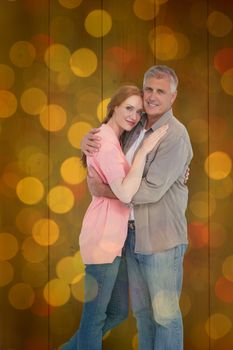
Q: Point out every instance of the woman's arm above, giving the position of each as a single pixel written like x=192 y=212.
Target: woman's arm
x=125 y=188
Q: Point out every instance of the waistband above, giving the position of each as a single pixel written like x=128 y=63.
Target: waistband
x=131 y=224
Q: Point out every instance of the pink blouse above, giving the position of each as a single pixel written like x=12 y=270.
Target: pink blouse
x=104 y=227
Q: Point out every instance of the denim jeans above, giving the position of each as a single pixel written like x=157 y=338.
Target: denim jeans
x=155 y=282
x=107 y=309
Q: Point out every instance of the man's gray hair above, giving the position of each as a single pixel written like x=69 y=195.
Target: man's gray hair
x=161 y=71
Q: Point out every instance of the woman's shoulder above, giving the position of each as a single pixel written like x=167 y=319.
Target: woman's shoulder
x=107 y=135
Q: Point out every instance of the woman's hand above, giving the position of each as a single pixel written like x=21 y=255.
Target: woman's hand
x=151 y=141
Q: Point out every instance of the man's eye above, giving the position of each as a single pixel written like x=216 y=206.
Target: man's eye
x=148 y=89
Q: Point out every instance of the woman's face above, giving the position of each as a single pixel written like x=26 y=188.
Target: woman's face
x=128 y=113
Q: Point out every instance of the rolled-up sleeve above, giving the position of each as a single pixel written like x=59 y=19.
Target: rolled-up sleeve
x=164 y=169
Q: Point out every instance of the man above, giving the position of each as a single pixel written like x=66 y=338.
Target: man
x=157 y=235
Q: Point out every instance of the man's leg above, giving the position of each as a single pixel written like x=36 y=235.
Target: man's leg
x=139 y=295
x=163 y=272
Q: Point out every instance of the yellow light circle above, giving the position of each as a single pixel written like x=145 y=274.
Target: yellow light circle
x=56 y=292
x=217 y=326
x=53 y=118
x=72 y=171
x=8 y=104
x=57 y=57
x=30 y=190
x=68 y=269
x=219 y=24
x=98 y=23
x=91 y=288
x=77 y=131
x=7 y=77
x=83 y=62
x=60 y=199
x=22 y=54
x=70 y=4
x=6 y=273
x=221 y=188
x=198 y=130
x=145 y=9
x=26 y=218
x=33 y=101
x=33 y=252
x=227 y=81
x=218 y=165
x=165 y=46
x=35 y=274
x=227 y=268
x=45 y=232
x=21 y=296
x=202 y=204
x=8 y=246
x=102 y=109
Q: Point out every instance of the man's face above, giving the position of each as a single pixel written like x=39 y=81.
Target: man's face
x=157 y=97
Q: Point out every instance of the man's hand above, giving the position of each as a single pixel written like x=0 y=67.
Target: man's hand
x=186 y=176
x=91 y=142
x=96 y=186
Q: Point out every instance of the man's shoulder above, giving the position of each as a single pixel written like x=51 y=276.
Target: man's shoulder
x=178 y=129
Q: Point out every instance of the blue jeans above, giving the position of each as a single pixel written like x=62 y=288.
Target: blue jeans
x=155 y=282
x=107 y=309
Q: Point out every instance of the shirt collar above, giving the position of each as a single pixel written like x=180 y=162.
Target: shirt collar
x=165 y=118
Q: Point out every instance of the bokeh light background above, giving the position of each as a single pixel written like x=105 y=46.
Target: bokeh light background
x=60 y=61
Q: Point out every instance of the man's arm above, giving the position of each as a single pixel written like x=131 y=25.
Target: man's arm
x=90 y=143
x=166 y=167
x=97 y=187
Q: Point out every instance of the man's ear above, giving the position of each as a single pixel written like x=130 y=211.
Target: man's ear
x=173 y=97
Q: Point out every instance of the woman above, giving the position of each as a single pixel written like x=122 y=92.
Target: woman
x=104 y=226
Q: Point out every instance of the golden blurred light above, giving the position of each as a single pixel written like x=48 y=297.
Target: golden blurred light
x=72 y=171
x=163 y=43
x=198 y=130
x=227 y=81
x=70 y=4
x=68 y=269
x=185 y=303
x=38 y=165
x=7 y=77
x=198 y=234
x=45 y=232
x=82 y=292
x=218 y=165
x=62 y=321
x=218 y=235
x=41 y=42
x=219 y=24
x=222 y=188
x=60 y=199
x=145 y=9
x=62 y=29
x=33 y=252
x=57 y=57
x=53 y=118
x=33 y=101
x=98 y=23
x=198 y=13
x=77 y=131
x=56 y=292
x=202 y=204
x=22 y=54
x=164 y=302
x=217 y=326
x=8 y=104
x=30 y=190
x=64 y=78
x=8 y=246
x=35 y=274
x=6 y=273
x=227 y=268
x=224 y=290
x=223 y=59
x=102 y=109
x=183 y=45
x=83 y=62
x=21 y=296
x=198 y=337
